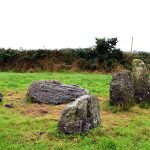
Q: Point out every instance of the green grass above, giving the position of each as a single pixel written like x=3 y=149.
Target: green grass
x=95 y=83
x=122 y=131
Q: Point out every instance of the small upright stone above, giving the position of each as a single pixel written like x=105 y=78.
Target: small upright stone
x=1 y=96
x=80 y=115
x=141 y=81
x=121 y=90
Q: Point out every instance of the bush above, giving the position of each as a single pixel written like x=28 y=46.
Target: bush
x=82 y=64
x=104 y=57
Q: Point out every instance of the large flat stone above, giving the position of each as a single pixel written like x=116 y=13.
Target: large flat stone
x=53 y=92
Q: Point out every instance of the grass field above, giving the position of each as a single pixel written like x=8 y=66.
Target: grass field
x=30 y=126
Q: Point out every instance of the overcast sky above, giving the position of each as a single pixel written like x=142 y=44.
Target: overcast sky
x=74 y=23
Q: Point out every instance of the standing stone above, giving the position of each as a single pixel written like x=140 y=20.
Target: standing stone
x=141 y=81
x=80 y=115
x=53 y=92
x=121 y=90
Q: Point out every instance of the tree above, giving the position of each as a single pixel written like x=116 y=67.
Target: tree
x=105 y=47
x=108 y=55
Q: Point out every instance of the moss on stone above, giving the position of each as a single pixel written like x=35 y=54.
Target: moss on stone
x=141 y=81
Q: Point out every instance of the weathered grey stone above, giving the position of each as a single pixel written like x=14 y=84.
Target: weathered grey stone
x=53 y=92
x=141 y=81
x=81 y=115
x=122 y=90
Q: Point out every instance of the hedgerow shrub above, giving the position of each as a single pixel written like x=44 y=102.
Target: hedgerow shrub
x=104 y=57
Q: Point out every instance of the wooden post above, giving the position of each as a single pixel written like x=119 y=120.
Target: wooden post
x=131 y=44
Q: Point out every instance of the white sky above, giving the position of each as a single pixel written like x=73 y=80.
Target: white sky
x=74 y=23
